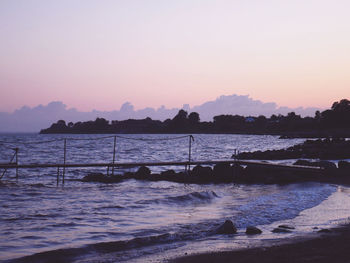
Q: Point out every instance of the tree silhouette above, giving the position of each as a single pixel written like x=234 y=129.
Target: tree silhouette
x=193 y=118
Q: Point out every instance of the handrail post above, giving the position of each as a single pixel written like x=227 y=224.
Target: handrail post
x=64 y=160
x=114 y=146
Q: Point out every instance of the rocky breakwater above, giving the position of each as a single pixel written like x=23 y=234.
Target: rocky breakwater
x=258 y=173
x=339 y=172
x=220 y=173
x=326 y=149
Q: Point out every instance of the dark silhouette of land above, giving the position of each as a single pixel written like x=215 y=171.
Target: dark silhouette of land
x=326 y=149
x=32 y=119
x=334 y=122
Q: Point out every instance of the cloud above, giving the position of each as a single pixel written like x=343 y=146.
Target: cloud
x=246 y=106
x=28 y=119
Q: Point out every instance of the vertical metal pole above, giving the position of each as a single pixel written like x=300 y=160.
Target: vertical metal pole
x=58 y=174
x=115 y=142
x=16 y=163
x=64 y=160
x=189 y=151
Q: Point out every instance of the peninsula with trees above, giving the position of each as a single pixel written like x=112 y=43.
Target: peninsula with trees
x=333 y=122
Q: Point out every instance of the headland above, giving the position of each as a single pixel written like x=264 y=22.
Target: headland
x=334 y=122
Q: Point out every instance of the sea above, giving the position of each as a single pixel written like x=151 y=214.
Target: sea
x=146 y=221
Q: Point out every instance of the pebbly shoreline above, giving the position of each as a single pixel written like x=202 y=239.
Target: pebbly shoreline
x=324 y=247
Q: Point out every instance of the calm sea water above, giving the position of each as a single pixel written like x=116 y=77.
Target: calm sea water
x=134 y=220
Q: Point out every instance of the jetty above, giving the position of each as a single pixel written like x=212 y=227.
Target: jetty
x=259 y=166
x=169 y=163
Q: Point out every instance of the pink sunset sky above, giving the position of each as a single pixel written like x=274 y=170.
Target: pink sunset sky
x=100 y=54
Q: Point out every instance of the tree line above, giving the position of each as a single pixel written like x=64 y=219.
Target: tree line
x=333 y=121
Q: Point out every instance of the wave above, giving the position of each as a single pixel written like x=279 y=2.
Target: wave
x=68 y=254
x=110 y=207
x=283 y=205
x=37 y=185
x=194 y=197
x=261 y=210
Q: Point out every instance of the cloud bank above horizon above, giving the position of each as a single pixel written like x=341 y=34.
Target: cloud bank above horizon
x=27 y=119
x=98 y=54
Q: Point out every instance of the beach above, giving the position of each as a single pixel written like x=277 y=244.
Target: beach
x=332 y=246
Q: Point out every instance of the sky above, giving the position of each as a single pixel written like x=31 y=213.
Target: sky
x=100 y=54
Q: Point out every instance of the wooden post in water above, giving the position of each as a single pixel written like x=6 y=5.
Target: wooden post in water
x=64 y=159
x=16 y=149
x=115 y=143
x=58 y=174
x=189 y=151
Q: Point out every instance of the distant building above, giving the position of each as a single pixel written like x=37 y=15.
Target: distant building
x=249 y=119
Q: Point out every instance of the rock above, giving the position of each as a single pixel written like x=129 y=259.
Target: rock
x=281 y=230
x=181 y=177
x=168 y=174
x=128 y=175
x=94 y=177
x=286 y=227
x=203 y=174
x=223 y=171
x=155 y=177
x=227 y=228
x=142 y=172
x=269 y=175
x=99 y=177
x=252 y=230
x=172 y=176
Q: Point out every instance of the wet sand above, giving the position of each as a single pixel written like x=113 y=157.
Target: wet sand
x=322 y=248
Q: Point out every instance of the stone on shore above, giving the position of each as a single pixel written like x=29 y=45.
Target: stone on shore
x=227 y=228
x=252 y=230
